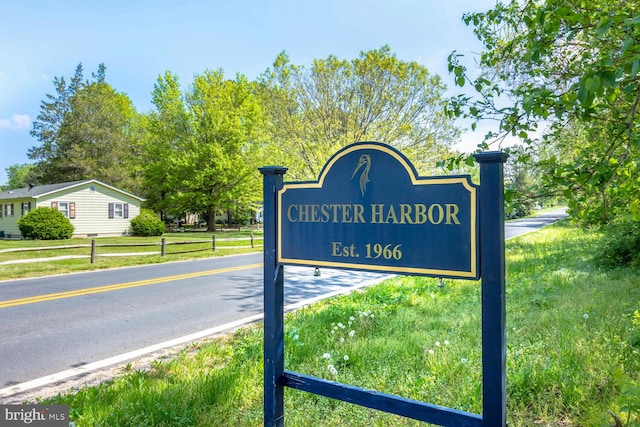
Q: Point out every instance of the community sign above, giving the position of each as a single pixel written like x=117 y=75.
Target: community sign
x=369 y=210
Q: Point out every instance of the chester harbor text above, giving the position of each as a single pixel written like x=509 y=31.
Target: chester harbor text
x=378 y=213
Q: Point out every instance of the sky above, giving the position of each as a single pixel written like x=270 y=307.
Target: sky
x=138 y=40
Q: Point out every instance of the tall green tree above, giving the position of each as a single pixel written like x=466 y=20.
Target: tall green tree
x=168 y=128
x=563 y=69
x=219 y=164
x=87 y=131
x=203 y=149
x=50 y=154
x=314 y=112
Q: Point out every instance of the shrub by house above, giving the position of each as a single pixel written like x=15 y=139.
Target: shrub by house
x=45 y=223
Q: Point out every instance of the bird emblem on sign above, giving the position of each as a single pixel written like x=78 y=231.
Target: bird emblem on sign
x=364 y=163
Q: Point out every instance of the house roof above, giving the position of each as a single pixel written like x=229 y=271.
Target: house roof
x=43 y=190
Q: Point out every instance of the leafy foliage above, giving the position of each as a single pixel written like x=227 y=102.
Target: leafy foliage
x=201 y=146
x=313 y=112
x=45 y=223
x=569 y=71
x=620 y=245
x=20 y=175
x=147 y=224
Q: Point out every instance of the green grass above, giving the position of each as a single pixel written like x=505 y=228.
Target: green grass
x=573 y=351
x=15 y=271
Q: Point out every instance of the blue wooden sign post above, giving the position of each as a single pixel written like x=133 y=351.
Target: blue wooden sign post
x=370 y=210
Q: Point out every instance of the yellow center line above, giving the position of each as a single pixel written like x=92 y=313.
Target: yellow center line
x=118 y=286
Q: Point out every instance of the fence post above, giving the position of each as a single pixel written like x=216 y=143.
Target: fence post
x=251 y=240
x=162 y=247
x=93 y=251
x=213 y=242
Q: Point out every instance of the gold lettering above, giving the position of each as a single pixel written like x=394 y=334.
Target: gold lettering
x=432 y=220
x=452 y=212
x=376 y=213
x=402 y=213
x=289 y=215
x=324 y=211
x=405 y=214
x=303 y=213
x=314 y=213
x=391 y=215
x=334 y=208
x=336 y=249
x=358 y=211
x=346 y=213
x=420 y=216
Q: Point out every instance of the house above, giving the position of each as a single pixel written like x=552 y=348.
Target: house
x=93 y=207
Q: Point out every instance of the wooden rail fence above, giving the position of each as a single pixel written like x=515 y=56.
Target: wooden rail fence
x=162 y=252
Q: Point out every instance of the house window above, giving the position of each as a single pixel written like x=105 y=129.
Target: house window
x=118 y=210
x=64 y=208
x=8 y=209
x=68 y=209
x=26 y=207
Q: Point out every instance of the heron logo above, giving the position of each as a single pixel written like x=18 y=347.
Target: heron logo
x=365 y=164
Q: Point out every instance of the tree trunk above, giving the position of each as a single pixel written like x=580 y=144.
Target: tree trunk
x=229 y=217
x=211 y=219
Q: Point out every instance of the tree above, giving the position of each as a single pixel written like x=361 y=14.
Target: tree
x=51 y=153
x=203 y=150
x=563 y=68
x=314 y=112
x=20 y=175
x=86 y=132
x=219 y=164
x=167 y=130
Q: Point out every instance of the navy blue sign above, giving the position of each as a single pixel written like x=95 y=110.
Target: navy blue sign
x=370 y=210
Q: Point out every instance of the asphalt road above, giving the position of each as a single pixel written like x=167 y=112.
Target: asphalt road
x=60 y=323
x=527 y=225
x=53 y=324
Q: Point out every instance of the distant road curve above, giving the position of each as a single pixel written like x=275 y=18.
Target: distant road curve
x=521 y=226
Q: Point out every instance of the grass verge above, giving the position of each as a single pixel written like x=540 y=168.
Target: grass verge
x=573 y=351
x=36 y=269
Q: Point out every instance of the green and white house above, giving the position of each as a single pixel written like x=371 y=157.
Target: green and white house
x=94 y=208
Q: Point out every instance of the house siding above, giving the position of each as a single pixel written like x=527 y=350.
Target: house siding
x=10 y=224
x=92 y=210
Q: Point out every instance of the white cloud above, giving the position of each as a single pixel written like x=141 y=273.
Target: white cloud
x=16 y=122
